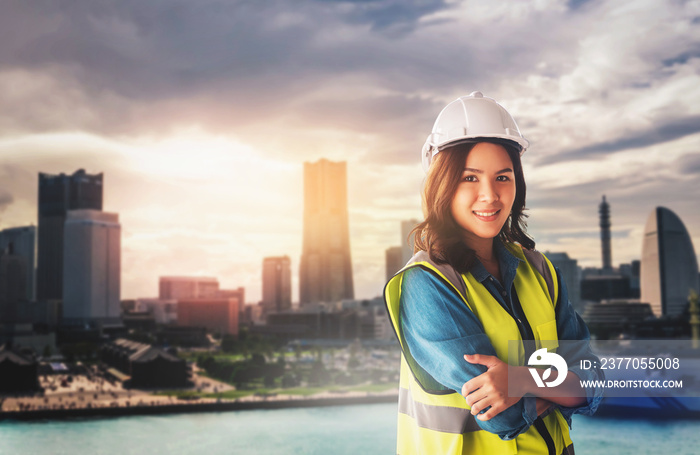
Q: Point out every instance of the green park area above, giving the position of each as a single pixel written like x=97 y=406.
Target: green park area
x=256 y=366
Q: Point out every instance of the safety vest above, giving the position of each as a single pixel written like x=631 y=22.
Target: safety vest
x=436 y=420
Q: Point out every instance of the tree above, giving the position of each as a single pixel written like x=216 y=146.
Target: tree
x=319 y=375
x=228 y=343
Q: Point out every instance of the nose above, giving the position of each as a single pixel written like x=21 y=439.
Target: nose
x=487 y=192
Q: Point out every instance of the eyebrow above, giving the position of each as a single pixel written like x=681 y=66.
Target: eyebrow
x=479 y=171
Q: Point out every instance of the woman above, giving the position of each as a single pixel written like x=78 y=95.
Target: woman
x=476 y=284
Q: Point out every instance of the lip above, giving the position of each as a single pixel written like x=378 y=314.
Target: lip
x=486 y=215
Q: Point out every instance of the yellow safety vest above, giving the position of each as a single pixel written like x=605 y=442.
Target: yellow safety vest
x=436 y=420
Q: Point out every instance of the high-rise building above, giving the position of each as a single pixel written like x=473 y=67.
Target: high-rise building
x=57 y=195
x=631 y=271
x=604 y=212
x=276 y=284
x=22 y=242
x=91 y=266
x=325 y=271
x=394 y=261
x=407 y=243
x=571 y=276
x=187 y=287
x=13 y=280
x=669 y=268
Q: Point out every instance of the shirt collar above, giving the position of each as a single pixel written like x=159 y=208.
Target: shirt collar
x=506 y=261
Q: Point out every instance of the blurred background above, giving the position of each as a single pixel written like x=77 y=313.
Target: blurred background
x=200 y=202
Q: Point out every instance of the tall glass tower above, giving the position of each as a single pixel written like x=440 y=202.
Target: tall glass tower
x=669 y=268
x=57 y=195
x=277 y=284
x=326 y=269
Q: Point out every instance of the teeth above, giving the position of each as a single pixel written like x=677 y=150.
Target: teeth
x=486 y=213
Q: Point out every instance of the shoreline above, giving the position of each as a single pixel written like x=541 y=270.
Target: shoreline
x=198 y=406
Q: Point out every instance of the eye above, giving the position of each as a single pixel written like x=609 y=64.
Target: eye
x=503 y=178
x=470 y=178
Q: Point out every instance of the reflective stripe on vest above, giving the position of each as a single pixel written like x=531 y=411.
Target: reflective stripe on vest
x=434 y=419
x=438 y=418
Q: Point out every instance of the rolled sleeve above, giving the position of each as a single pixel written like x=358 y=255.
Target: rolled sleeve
x=439 y=329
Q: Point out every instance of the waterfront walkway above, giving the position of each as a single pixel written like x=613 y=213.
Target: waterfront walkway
x=84 y=396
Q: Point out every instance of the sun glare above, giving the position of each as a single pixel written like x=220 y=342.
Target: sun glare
x=190 y=154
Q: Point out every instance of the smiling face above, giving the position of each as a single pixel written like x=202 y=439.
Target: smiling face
x=485 y=194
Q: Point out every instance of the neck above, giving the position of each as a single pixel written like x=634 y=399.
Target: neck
x=482 y=247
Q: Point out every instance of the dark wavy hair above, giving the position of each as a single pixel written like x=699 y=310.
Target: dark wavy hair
x=439 y=234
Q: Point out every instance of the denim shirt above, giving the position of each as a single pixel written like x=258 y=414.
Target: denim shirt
x=439 y=337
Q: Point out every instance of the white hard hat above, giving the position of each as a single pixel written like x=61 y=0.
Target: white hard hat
x=468 y=118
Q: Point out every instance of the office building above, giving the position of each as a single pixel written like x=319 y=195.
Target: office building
x=407 y=243
x=570 y=275
x=91 y=267
x=21 y=241
x=276 y=284
x=326 y=269
x=57 y=195
x=393 y=261
x=250 y=314
x=187 y=287
x=164 y=312
x=219 y=315
x=12 y=285
x=669 y=268
x=596 y=288
x=631 y=270
x=611 y=318
x=314 y=322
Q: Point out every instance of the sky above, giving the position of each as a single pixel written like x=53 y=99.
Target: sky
x=201 y=115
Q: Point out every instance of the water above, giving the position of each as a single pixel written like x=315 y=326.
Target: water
x=366 y=429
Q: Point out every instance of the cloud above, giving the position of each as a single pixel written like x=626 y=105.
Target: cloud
x=190 y=109
x=121 y=68
x=666 y=132
x=689 y=164
x=5 y=199
x=395 y=15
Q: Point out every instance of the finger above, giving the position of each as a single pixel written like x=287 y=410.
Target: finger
x=471 y=385
x=492 y=412
x=480 y=405
x=476 y=397
x=481 y=359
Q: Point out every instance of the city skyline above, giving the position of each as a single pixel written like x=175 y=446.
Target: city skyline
x=202 y=143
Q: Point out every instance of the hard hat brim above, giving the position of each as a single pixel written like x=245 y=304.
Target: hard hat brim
x=519 y=143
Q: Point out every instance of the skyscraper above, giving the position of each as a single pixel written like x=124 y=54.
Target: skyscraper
x=570 y=274
x=407 y=243
x=91 y=266
x=276 y=284
x=393 y=261
x=325 y=272
x=669 y=268
x=57 y=195
x=13 y=280
x=22 y=241
x=604 y=212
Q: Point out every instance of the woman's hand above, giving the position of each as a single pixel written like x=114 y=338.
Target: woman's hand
x=490 y=389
